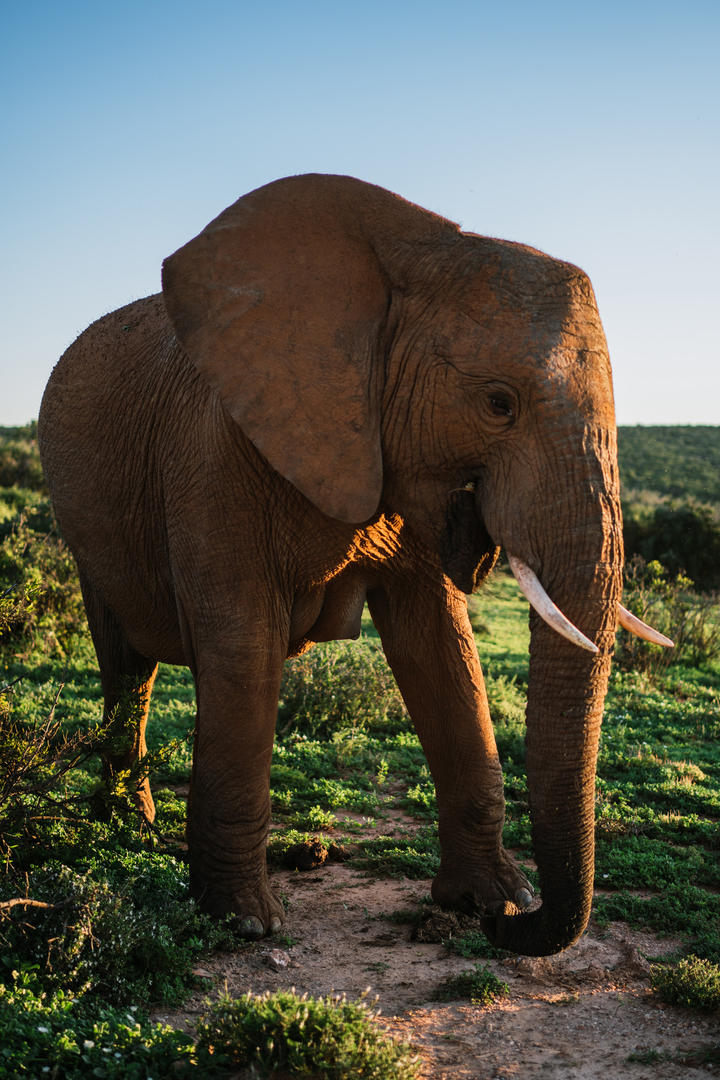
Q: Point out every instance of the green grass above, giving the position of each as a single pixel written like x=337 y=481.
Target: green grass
x=415 y=856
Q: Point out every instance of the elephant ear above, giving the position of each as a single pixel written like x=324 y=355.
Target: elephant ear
x=280 y=303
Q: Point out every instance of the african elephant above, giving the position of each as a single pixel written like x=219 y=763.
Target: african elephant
x=340 y=396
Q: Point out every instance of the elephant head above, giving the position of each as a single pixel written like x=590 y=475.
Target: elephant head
x=382 y=360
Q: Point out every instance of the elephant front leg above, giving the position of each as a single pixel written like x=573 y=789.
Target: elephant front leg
x=229 y=806
x=429 y=645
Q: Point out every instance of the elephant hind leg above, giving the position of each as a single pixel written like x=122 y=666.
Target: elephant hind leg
x=127 y=680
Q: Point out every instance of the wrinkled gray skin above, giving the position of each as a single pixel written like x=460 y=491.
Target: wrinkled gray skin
x=340 y=396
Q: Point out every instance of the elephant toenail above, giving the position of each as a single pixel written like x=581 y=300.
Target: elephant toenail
x=275 y=924
x=251 y=928
x=523 y=898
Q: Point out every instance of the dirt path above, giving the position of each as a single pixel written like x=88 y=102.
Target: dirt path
x=586 y=1014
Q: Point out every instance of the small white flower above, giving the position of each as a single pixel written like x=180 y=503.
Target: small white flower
x=88 y=1044
x=118 y=1054
x=41 y=1027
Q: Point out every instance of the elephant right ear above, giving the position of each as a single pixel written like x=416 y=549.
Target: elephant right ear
x=280 y=303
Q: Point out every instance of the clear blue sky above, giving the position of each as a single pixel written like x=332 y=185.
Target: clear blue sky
x=591 y=131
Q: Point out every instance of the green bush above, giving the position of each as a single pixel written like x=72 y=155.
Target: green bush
x=121 y=928
x=683 y=537
x=50 y=794
x=64 y=1039
x=20 y=458
x=33 y=505
x=84 y=902
x=692 y=982
x=41 y=607
x=479 y=984
x=672 y=606
x=325 y=1038
x=340 y=685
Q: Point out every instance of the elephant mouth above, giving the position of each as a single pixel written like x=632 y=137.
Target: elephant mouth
x=467 y=552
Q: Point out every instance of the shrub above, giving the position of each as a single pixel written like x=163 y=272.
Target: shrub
x=20 y=458
x=683 y=537
x=671 y=605
x=41 y=608
x=62 y=1038
x=84 y=902
x=121 y=929
x=326 y=1038
x=479 y=984
x=340 y=685
x=47 y=797
x=692 y=982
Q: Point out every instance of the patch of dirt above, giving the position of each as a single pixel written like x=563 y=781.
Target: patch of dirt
x=585 y=1014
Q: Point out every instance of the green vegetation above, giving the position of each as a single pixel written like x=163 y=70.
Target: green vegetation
x=96 y=920
x=327 y=1037
x=677 y=462
x=57 y=1036
x=472 y=944
x=671 y=499
x=479 y=985
x=692 y=982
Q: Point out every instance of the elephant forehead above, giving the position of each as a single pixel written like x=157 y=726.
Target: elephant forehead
x=501 y=282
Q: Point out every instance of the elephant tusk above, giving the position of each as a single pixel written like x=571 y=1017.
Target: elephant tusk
x=633 y=625
x=544 y=606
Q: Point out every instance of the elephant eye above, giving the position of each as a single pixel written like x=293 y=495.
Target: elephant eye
x=501 y=404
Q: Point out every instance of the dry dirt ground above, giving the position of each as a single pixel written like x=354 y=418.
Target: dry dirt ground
x=588 y=1013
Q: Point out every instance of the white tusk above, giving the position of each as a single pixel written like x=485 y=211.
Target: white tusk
x=544 y=606
x=633 y=625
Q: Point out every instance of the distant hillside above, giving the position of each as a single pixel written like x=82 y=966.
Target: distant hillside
x=682 y=462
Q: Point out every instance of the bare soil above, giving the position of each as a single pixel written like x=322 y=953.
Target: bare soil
x=587 y=1013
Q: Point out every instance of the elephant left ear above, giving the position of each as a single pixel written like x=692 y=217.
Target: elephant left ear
x=280 y=303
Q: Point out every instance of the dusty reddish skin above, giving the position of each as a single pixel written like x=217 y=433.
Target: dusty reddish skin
x=239 y=462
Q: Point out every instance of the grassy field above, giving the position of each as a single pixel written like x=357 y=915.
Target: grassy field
x=96 y=924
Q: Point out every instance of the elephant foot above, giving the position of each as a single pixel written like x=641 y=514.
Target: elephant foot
x=253 y=913
x=482 y=888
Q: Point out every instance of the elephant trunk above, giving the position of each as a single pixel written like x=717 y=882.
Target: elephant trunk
x=562 y=739
x=566 y=693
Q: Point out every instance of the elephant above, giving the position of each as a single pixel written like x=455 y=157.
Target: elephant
x=340 y=397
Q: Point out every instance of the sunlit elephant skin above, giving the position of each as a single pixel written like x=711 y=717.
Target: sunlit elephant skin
x=338 y=397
